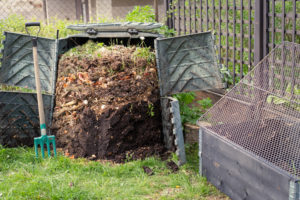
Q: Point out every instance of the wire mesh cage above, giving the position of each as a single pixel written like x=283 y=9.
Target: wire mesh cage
x=249 y=141
x=262 y=113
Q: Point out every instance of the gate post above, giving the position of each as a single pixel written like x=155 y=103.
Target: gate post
x=79 y=9
x=258 y=31
x=168 y=14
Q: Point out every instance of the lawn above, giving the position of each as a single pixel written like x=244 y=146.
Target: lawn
x=22 y=176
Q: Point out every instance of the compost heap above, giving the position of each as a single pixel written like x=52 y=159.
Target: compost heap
x=107 y=105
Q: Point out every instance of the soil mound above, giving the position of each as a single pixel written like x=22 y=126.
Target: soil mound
x=107 y=105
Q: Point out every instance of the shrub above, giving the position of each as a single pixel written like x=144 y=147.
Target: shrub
x=191 y=113
x=141 y=14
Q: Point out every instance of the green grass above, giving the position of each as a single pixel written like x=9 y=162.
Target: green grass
x=24 y=177
x=4 y=87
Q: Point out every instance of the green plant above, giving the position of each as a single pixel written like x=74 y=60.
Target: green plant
x=16 y=23
x=110 y=71
x=15 y=88
x=141 y=14
x=227 y=78
x=87 y=50
x=131 y=108
x=11 y=88
x=284 y=101
x=144 y=52
x=151 y=110
x=166 y=31
x=227 y=75
x=188 y=112
x=146 y=14
x=205 y=103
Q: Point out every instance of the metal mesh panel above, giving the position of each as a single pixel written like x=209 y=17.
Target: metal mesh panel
x=104 y=9
x=39 y=9
x=28 y=9
x=262 y=113
x=86 y=10
x=61 y=9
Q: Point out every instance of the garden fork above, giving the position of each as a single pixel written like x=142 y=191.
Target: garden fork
x=43 y=139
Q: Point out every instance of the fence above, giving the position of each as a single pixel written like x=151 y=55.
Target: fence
x=86 y=10
x=246 y=30
x=41 y=9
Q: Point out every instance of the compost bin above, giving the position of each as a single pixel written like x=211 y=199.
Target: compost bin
x=18 y=104
x=72 y=92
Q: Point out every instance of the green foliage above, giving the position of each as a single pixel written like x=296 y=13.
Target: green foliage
x=15 y=89
x=144 y=52
x=185 y=98
x=191 y=113
x=16 y=23
x=284 y=101
x=141 y=14
x=87 y=50
x=205 y=103
x=151 y=110
x=227 y=78
x=22 y=176
x=166 y=31
x=146 y=14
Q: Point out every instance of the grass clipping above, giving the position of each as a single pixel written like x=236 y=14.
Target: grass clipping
x=107 y=103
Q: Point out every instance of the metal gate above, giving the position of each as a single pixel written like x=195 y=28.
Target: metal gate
x=246 y=30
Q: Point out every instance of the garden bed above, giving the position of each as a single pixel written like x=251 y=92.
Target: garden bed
x=239 y=173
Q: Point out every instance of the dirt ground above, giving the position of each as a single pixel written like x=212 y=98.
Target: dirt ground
x=107 y=106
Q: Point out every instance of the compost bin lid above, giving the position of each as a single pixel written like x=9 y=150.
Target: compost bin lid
x=187 y=63
x=117 y=30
